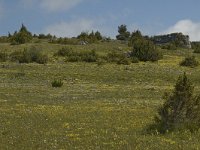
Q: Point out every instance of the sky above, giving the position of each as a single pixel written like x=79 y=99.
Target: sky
x=68 y=18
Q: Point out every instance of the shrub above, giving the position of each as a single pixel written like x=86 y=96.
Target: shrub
x=197 y=50
x=181 y=110
x=32 y=55
x=42 y=59
x=124 y=61
x=169 y=46
x=114 y=56
x=189 y=62
x=3 y=56
x=15 y=56
x=89 y=56
x=101 y=61
x=135 y=60
x=145 y=50
x=64 y=52
x=73 y=56
x=57 y=83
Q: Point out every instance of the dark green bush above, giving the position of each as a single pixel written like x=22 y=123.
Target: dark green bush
x=134 y=60
x=124 y=61
x=101 y=61
x=197 y=50
x=42 y=59
x=57 y=83
x=181 y=110
x=65 y=52
x=189 y=62
x=73 y=56
x=89 y=56
x=114 y=56
x=169 y=46
x=145 y=50
x=3 y=56
x=15 y=56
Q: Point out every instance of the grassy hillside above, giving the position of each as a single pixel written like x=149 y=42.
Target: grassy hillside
x=98 y=107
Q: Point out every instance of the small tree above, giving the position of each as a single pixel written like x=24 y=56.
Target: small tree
x=21 y=37
x=123 y=33
x=181 y=109
x=136 y=35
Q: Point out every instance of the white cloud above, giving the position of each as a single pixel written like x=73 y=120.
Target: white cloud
x=51 y=5
x=59 y=5
x=187 y=27
x=70 y=29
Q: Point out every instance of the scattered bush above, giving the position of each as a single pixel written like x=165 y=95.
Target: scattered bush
x=181 y=110
x=70 y=41
x=29 y=55
x=189 y=62
x=57 y=83
x=73 y=56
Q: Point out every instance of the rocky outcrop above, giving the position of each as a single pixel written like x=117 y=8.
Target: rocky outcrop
x=178 y=39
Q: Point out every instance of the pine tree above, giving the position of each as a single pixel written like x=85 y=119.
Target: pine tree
x=21 y=37
x=123 y=33
x=180 y=109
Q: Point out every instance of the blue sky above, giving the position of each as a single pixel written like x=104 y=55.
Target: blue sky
x=70 y=17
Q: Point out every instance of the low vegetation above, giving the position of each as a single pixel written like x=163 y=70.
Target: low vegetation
x=57 y=83
x=98 y=105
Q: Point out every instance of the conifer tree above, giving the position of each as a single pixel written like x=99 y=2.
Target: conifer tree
x=181 y=109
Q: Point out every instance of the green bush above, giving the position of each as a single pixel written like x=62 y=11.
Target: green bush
x=32 y=54
x=89 y=56
x=114 y=56
x=124 y=61
x=42 y=59
x=3 y=56
x=181 y=110
x=65 y=52
x=15 y=56
x=189 y=62
x=73 y=56
x=169 y=46
x=57 y=83
x=145 y=50
x=135 y=60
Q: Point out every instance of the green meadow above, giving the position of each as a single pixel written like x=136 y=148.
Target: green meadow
x=105 y=106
